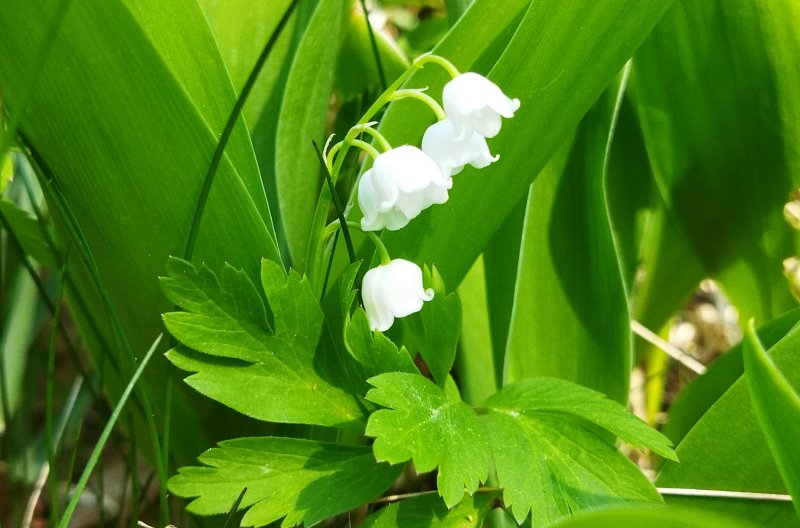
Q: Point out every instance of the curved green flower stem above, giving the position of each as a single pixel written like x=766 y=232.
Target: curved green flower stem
x=334 y=226
x=316 y=246
x=380 y=138
x=448 y=66
x=420 y=95
x=366 y=147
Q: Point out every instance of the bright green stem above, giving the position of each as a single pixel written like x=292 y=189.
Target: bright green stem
x=366 y=147
x=331 y=228
x=101 y=442
x=420 y=95
x=448 y=66
x=316 y=246
x=380 y=138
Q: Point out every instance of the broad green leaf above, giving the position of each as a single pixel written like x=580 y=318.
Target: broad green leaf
x=356 y=70
x=501 y=267
x=269 y=374
x=726 y=450
x=430 y=512
x=436 y=329
x=22 y=320
x=303 y=116
x=560 y=59
x=697 y=397
x=6 y=170
x=550 y=459
x=476 y=366
x=777 y=407
x=302 y=481
x=375 y=352
x=422 y=424
x=127 y=132
x=570 y=316
x=29 y=233
x=652 y=517
x=711 y=86
x=242 y=29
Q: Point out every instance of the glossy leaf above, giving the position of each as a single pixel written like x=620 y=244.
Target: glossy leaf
x=303 y=116
x=430 y=512
x=777 y=407
x=658 y=517
x=375 y=352
x=436 y=329
x=711 y=84
x=726 y=450
x=559 y=61
x=421 y=423
x=551 y=461
x=475 y=363
x=696 y=398
x=127 y=132
x=267 y=373
x=29 y=233
x=570 y=316
x=302 y=481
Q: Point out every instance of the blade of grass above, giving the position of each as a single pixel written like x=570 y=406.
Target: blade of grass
x=234 y=508
x=336 y=204
x=228 y=130
x=374 y=44
x=101 y=442
x=51 y=374
x=51 y=189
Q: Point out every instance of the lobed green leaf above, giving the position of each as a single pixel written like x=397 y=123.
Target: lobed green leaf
x=422 y=424
x=550 y=459
x=301 y=480
x=240 y=361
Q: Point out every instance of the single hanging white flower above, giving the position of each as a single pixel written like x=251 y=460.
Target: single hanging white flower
x=393 y=290
x=475 y=104
x=401 y=183
x=451 y=154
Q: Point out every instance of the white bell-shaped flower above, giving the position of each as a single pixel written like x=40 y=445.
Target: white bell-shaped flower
x=402 y=183
x=393 y=290
x=451 y=154
x=475 y=104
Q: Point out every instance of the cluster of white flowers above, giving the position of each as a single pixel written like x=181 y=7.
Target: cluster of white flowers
x=406 y=180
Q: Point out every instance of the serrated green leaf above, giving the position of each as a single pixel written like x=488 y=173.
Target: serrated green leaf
x=127 y=132
x=375 y=352
x=242 y=363
x=29 y=233
x=430 y=512
x=549 y=458
x=301 y=480
x=422 y=424
x=777 y=407
x=553 y=395
x=436 y=329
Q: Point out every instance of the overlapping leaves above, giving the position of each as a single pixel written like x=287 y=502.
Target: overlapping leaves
x=302 y=480
x=268 y=373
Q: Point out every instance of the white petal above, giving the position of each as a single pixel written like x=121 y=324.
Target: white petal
x=474 y=103
x=393 y=290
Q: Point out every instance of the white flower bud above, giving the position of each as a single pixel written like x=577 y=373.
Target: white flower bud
x=440 y=143
x=393 y=290
x=475 y=104
x=401 y=184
